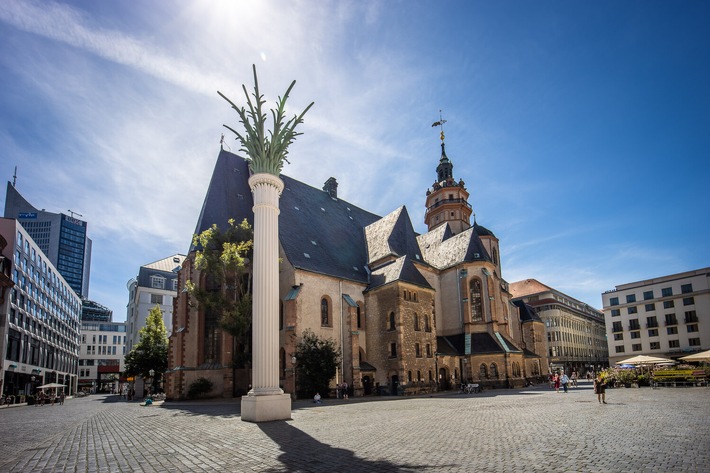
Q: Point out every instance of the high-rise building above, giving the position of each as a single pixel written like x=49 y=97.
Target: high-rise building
x=156 y=285
x=576 y=337
x=667 y=316
x=39 y=318
x=101 y=358
x=61 y=237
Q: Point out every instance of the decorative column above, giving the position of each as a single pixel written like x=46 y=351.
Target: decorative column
x=266 y=401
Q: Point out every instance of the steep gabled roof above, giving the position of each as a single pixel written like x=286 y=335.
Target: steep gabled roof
x=317 y=233
x=392 y=236
x=528 y=287
x=402 y=269
x=463 y=247
x=527 y=313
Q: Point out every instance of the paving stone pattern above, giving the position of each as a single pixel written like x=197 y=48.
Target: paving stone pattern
x=528 y=430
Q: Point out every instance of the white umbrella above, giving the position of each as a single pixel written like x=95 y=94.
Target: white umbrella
x=51 y=385
x=644 y=360
x=702 y=356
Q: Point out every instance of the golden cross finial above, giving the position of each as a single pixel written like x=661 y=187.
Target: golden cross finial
x=440 y=124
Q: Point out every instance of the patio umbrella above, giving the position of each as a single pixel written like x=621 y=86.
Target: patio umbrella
x=51 y=385
x=644 y=360
x=702 y=356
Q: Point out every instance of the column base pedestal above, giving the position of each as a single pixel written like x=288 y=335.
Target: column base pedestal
x=266 y=408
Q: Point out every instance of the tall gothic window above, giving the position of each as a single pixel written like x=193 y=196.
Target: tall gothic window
x=324 y=312
x=494 y=370
x=391 y=321
x=475 y=300
x=416 y=322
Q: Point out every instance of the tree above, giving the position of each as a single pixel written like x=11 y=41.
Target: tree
x=151 y=351
x=317 y=361
x=223 y=259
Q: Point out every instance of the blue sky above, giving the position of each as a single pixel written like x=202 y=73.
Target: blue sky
x=580 y=128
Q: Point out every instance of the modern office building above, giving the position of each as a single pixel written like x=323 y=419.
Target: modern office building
x=667 y=316
x=101 y=359
x=92 y=311
x=576 y=336
x=39 y=317
x=61 y=237
x=156 y=284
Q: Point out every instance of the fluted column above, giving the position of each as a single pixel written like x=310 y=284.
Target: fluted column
x=266 y=401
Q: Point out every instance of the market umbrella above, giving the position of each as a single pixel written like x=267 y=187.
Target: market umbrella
x=644 y=360
x=51 y=385
x=702 y=356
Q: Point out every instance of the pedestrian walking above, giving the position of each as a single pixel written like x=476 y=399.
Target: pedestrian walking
x=565 y=381
x=600 y=389
x=556 y=381
x=345 y=391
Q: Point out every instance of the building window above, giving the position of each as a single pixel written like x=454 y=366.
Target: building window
x=427 y=325
x=475 y=300
x=668 y=304
x=688 y=300
x=616 y=327
x=393 y=350
x=671 y=320
x=647 y=295
x=417 y=350
x=391 y=322
x=691 y=317
x=416 y=323
x=666 y=292
x=494 y=370
x=634 y=324
x=692 y=328
x=428 y=350
x=694 y=342
x=635 y=335
x=157 y=282
x=651 y=322
x=618 y=336
x=359 y=312
x=672 y=330
x=483 y=371
x=324 y=312
x=630 y=298
x=632 y=310
x=655 y=345
x=673 y=344
x=614 y=301
x=174 y=284
x=620 y=349
x=615 y=312
x=653 y=332
x=636 y=347
x=686 y=288
x=156 y=299
x=650 y=307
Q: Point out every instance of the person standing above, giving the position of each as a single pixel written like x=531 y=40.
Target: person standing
x=556 y=381
x=565 y=381
x=600 y=389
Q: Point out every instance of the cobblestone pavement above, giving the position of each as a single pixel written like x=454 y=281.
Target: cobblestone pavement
x=530 y=430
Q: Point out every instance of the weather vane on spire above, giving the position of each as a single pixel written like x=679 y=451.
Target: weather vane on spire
x=440 y=124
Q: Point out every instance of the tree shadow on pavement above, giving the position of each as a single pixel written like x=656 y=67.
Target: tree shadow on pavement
x=303 y=453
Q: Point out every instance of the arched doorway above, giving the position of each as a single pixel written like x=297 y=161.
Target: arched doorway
x=367 y=385
x=444 y=384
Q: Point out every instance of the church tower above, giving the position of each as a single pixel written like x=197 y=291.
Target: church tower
x=447 y=200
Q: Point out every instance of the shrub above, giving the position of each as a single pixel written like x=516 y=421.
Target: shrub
x=199 y=388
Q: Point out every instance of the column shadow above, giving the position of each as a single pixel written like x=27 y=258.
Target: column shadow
x=303 y=453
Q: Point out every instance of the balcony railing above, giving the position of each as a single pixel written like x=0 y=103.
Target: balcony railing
x=671 y=322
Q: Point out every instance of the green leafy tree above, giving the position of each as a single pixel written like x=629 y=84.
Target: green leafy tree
x=151 y=351
x=223 y=258
x=317 y=361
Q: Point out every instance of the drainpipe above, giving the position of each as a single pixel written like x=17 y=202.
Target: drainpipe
x=342 y=332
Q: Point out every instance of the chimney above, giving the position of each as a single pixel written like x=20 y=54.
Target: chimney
x=331 y=187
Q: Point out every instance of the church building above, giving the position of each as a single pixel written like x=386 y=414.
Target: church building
x=411 y=313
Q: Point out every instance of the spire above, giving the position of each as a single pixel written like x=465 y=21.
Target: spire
x=445 y=170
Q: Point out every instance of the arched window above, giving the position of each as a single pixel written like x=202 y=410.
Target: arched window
x=416 y=323
x=494 y=370
x=359 y=312
x=417 y=350
x=495 y=256
x=483 y=371
x=324 y=312
x=427 y=326
x=391 y=321
x=475 y=300
x=409 y=376
x=415 y=297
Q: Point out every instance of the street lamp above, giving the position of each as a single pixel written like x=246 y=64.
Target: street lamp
x=293 y=362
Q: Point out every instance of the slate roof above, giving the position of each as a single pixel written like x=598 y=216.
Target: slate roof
x=401 y=269
x=481 y=230
x=450 y=250
x=392 y=235
x=481 y=343
x=317 y=233
x=527 y=313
